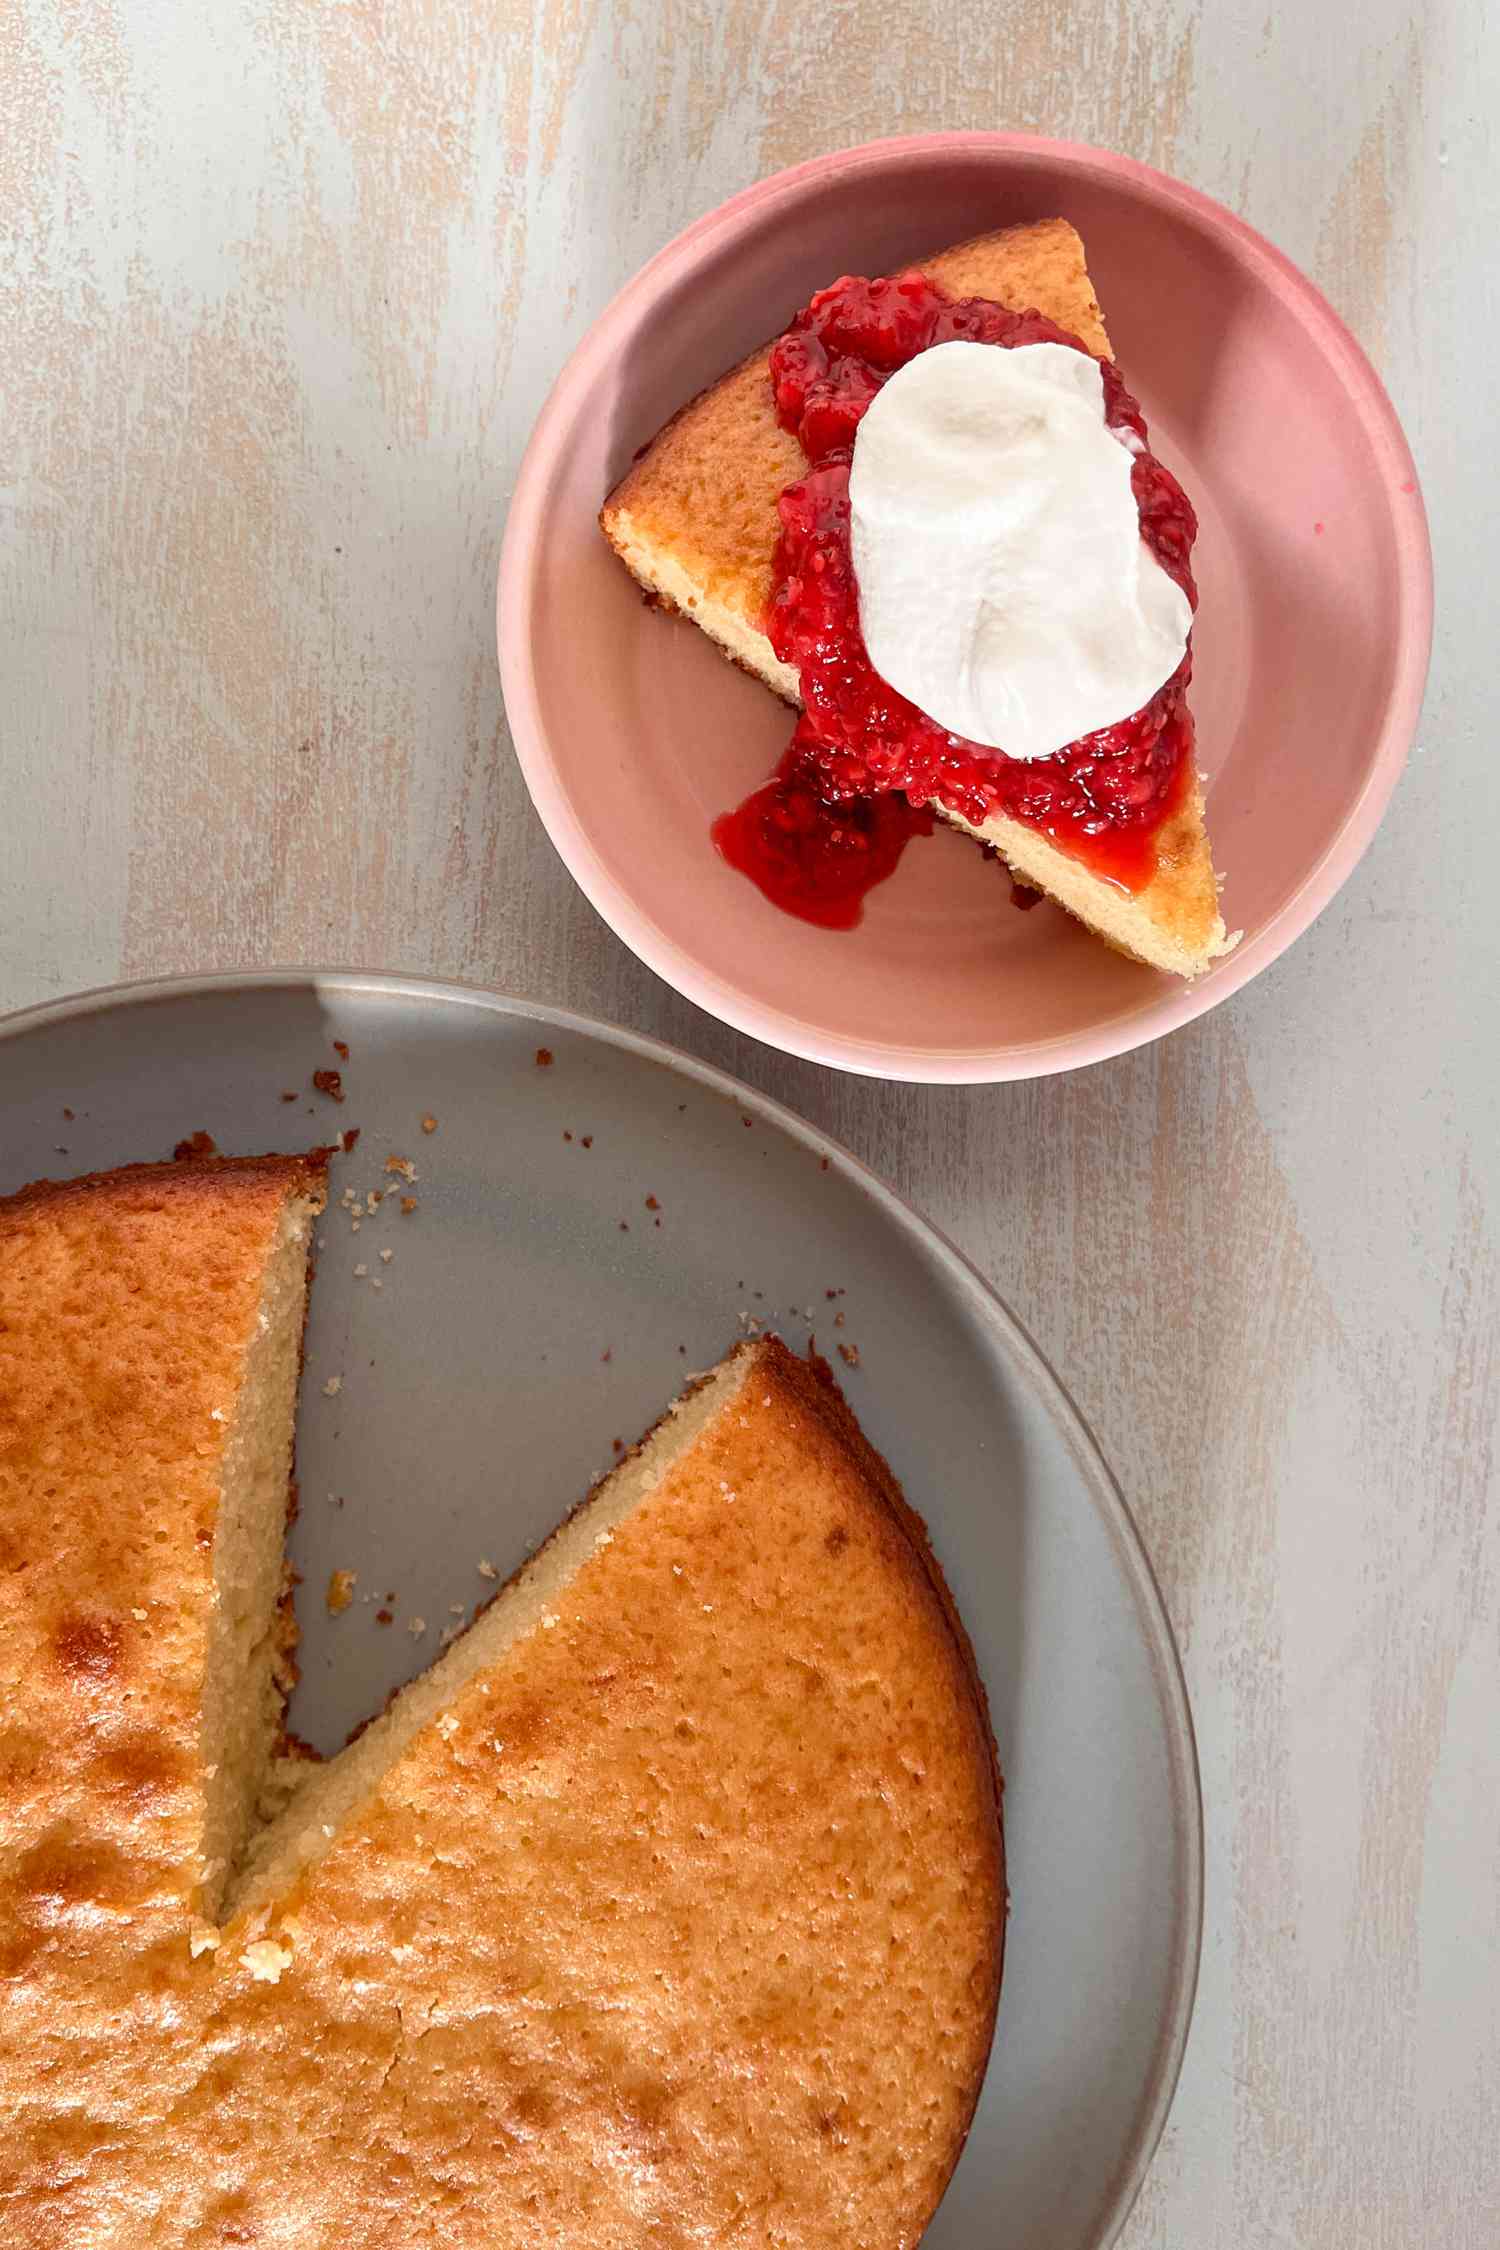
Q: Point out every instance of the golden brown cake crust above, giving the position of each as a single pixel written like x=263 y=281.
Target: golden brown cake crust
x=706 y=488
x=695 y=521
x=682 y=1919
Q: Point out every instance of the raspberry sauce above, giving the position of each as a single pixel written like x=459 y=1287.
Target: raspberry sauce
x=813 y=856
x=862 y=756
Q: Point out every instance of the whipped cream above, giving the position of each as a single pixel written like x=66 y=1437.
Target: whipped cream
x=1004 y=586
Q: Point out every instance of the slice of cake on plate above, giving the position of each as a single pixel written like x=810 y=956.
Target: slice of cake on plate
x=667 y=1905
x=739 y=515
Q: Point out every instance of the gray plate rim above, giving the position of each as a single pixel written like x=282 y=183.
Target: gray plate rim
x=1026 y=1356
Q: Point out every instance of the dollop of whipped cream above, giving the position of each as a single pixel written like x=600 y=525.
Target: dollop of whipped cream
x=1004 y=586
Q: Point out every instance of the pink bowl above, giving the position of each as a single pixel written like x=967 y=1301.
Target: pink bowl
x=1312 y=637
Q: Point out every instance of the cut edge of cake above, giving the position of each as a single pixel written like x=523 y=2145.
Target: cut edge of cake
x=695 y=523
x=250 y=1667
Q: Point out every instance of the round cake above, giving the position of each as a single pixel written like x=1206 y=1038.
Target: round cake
x=666 y=1907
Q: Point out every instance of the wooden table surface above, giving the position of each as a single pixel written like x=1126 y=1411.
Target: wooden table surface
x=282 y=287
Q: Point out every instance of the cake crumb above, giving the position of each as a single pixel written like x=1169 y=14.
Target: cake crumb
x=289 y=1097
x=340 y=1591
x=265 y=1960
x=350 y=1138
x=849 y=1354
x=652 y=1204
x=329 y=1082
x=341 y=1049
x=544 y=1058
x=408 y=1205
x=429 y=1123
x=385 y=1617
x=838 y=1320
x=456 y=1609
x=403 y=1165
x=333 y=1386
x=585 y=1140
x=417 y=1627
x=386 y=1257
x=196 y=1144
x=488 y=1570
x=361 y=1273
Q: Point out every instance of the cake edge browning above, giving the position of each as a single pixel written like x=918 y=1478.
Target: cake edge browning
x=180 y=1176
x=814 y=1387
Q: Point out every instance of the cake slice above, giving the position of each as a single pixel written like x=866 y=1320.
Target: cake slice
x=695 y=521
x=667 y=1906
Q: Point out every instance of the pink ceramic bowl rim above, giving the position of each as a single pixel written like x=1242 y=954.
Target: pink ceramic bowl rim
x=527 y=524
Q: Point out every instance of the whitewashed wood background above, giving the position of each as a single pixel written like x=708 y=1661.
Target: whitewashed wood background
x=282 y=287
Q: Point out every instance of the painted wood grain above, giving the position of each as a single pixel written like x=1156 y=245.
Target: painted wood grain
x=281 y=290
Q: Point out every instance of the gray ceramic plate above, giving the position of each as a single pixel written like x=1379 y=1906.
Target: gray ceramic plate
x=536 y=1306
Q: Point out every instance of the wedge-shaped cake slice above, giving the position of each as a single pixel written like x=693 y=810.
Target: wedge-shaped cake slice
x=667 y=1907
x=696 y=522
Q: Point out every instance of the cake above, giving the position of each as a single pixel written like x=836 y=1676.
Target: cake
x=667 y=1904
x=696 y=522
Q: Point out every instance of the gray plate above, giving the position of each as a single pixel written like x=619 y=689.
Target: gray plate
x=534 y=1310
